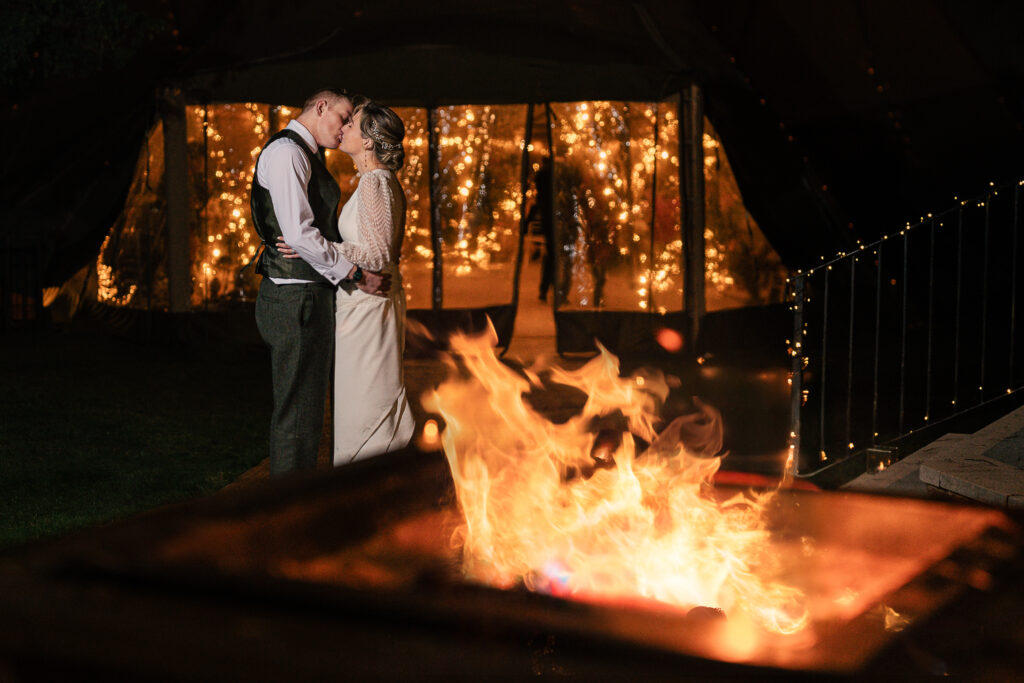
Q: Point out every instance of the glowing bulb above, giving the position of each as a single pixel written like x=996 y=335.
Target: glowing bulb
x=430 y=430
x=671 y=341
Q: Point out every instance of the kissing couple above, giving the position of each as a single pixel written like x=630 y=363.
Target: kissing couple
x=331 y=290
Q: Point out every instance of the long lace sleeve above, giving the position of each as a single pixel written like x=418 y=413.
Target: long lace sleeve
x=376 y=224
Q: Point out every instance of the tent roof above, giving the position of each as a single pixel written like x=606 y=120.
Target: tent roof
x=842 y=120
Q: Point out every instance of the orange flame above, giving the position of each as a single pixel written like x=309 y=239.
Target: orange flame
x=573 y=509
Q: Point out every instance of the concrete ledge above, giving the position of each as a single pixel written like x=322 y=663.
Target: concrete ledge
x=985 y=466
x=977 y=477
x=1003 y=429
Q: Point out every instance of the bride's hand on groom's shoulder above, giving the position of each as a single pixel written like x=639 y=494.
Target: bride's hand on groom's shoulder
x=285 y=250
x=375 y=283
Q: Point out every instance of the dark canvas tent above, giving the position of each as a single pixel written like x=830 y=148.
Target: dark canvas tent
x=841 y=120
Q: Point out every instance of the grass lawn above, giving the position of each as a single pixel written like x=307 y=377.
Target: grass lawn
x=94 y=427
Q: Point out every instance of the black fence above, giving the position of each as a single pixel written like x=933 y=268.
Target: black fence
x=21 y=283
x=908 y=332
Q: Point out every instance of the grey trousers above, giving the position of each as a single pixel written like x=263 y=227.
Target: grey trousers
x=297 y=323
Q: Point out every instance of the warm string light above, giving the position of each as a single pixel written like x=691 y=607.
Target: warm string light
x=234 y=136
x=107 y=286
x=928 y=219
x=715 y=253
x=124 y=262
x=607 y=148
x=663 y=159
x=479 y=192
x=741 y=267
x=606 y=164
x=230 y=241
x=413 y=175
x=794 y=349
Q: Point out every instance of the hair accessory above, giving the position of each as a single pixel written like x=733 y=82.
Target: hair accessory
x=378 y=137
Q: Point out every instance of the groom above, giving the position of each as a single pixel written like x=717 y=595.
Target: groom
x=295 y=197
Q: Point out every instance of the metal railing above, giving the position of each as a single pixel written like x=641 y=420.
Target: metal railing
x=910 y=331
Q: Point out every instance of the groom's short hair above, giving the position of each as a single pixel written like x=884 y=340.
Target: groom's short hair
x=332 y=95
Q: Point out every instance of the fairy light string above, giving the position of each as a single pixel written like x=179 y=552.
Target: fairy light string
x=629 y=218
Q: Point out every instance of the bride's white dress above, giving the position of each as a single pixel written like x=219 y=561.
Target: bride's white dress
x=371 y=411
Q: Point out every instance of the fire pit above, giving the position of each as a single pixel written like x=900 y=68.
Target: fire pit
x=353 y=573
x=595 y=546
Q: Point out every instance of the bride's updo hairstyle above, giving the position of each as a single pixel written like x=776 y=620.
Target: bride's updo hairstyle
x=386 y=130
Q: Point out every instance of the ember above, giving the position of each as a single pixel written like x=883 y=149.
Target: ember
x=633 y=526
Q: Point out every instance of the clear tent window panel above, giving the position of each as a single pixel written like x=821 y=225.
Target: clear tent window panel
x=222 y=166
x=741 y=267
x=131 y=267
x=666 y=257
x=613 y=242
x=416 y=262
x=224 y=141
x=618 y=238
x=478 y=195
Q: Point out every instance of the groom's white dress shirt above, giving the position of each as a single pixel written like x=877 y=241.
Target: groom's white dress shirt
x=284 y=170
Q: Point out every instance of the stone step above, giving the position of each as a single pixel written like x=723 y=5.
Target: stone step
x=1009 y=451
x=977 y=477
x=902 y=478
x=986 y=466
x=1005 y=428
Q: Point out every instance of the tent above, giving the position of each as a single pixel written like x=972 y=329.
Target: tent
x=841 y=120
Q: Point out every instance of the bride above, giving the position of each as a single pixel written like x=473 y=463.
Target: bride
x=371 y=411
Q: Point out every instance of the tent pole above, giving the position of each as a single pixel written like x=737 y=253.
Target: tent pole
x=179 y=281
x=691 y=172
x=524 y=181
x=556 y=301
x=433 y=174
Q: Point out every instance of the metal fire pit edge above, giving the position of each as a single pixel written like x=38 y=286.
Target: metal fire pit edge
x=106 y=602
